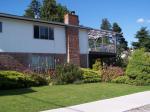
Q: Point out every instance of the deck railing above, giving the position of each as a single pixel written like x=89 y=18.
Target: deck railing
x=104 y=48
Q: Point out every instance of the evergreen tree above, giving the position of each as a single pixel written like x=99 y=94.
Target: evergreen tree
x=33 y=9
x=122 y=44
x=116 y=28
x=143 y=37
x=51 y=11
x=61 y=11
x=105 y=24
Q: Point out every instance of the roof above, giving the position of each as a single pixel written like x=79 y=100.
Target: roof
x=39 y=20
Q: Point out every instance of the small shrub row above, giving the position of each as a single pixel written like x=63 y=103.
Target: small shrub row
x=14 y=79
x=121 y=79
x=91 y=76
x=127 y=80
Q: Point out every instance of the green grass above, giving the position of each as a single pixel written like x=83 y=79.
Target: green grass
x=49 y=97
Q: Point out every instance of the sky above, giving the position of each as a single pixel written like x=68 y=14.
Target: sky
x=131 y=15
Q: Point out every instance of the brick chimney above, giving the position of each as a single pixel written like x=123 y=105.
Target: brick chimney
x=72 y=38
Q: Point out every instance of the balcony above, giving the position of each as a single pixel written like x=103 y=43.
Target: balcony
x=103 y=48
x=102 y=41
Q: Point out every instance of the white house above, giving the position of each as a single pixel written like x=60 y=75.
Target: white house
x=34 y=42
x=39 y=43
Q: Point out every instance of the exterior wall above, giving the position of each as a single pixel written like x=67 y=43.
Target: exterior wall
x=17 y=41
x=84 y=46
x=17 y=36
x=83 y=41
x=23 y=60
x=84 y=60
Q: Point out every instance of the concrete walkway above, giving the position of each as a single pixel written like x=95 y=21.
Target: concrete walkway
x=118 y=104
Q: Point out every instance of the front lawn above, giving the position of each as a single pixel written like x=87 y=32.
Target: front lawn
x=49 y=97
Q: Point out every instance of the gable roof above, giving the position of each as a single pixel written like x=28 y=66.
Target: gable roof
x=11 y=16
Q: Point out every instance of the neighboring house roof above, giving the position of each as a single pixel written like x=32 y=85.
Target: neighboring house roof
x=40 y=21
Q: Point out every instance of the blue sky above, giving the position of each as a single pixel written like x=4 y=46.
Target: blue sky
x=129 y=14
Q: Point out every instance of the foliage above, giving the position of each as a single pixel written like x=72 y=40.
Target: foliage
x=91 y=76
x=33 y=9
x=143 y=37
x=138 y=69
x=139 y=64
x=13 y=79
x=105 y=25
x=51 y=11
x=97 y=66
x=122 y=45
x=111 y=73
x=39 y=79
x=121 y=79
x=116 y=28
x=67 y=73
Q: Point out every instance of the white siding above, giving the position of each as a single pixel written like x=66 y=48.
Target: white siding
x=17 y=36
x=83 y=41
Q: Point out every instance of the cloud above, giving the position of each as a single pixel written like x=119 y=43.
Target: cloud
x=140 y=20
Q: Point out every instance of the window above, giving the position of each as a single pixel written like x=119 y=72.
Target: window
x=43 y=32
x=36 y=32
x=0 y=26
x=51 y=34
x=42 y=63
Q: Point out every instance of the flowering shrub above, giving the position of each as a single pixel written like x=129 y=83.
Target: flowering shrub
x=110 y=73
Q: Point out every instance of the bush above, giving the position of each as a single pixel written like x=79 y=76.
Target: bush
x=111 y=73
x=39 y=79
x=67 y=73
x=121 y=79
x=91 y=76
x=138 y=69
x=13 y=79
x=97 y=66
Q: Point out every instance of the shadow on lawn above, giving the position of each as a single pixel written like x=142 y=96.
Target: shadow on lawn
x=52 y=103
x=16 y=91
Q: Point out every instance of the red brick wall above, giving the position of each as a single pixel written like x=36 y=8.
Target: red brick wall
x=21 y=61
x=71 y=19
x=72 y=39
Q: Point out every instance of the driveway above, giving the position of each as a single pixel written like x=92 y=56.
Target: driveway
x=117 y=104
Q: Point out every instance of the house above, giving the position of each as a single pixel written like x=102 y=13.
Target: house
x=44 y=44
